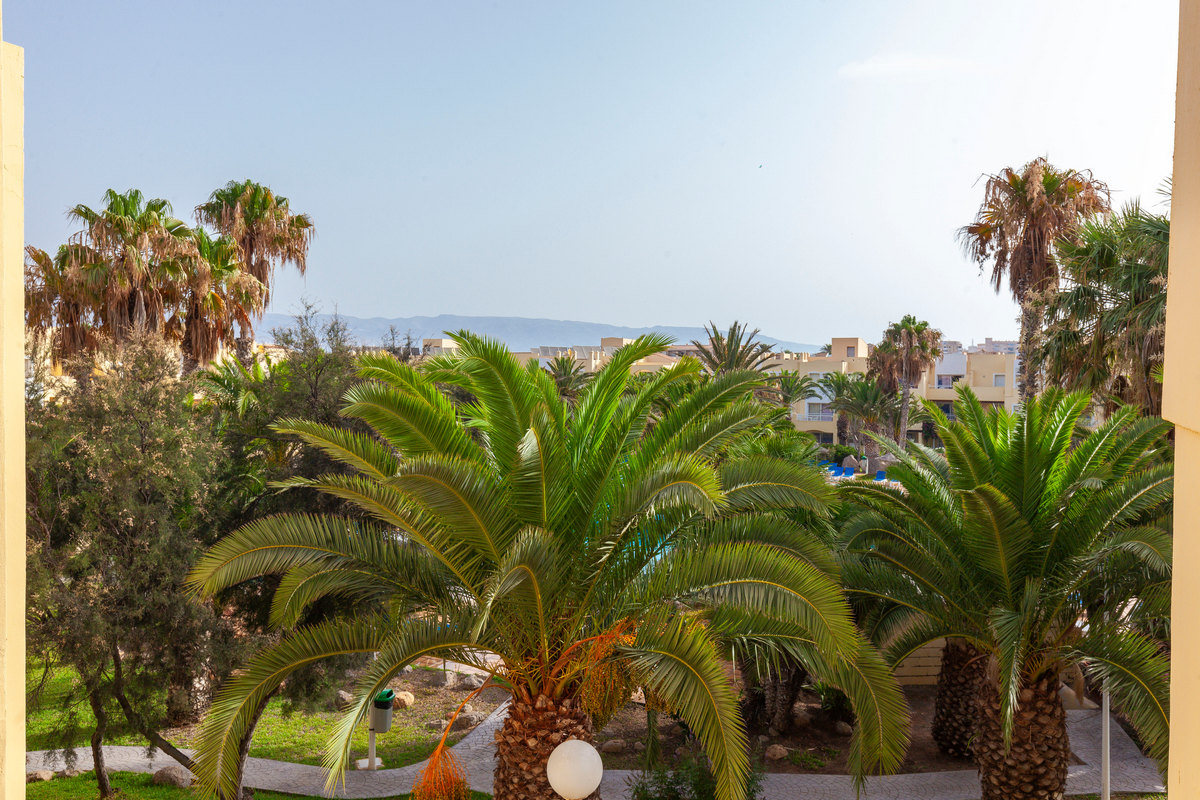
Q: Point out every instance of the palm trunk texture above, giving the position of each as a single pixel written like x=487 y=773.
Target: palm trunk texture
x=955 y=709
x=1026 y=375
x=1035 y=764
x=524 y=743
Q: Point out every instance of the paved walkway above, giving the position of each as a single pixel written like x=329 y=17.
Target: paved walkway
x=1131 y=771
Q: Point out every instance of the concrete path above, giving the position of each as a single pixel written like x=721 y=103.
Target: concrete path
x=1131 y=771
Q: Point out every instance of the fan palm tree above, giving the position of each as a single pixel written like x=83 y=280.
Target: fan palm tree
x=132 y=256
x=909 y=348
x=58 y=304
x=568 y=375
x=734 y=350
x=1027 y=542
x=1105 y=327
x=1022 y=216
x=267 y=234
x=218 y=297
x=588 y=549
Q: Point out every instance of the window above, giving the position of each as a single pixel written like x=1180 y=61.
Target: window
x=998 y=379
x=946 y=381
x=850 y=351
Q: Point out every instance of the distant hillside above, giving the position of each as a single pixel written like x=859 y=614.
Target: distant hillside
x=518 y=333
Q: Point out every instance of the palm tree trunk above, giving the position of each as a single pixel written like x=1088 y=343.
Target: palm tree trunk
x=1026 y=374
x=530 y=733
x=244 y=347
x=1035 y=764
x=905 y=397
x=955 y=707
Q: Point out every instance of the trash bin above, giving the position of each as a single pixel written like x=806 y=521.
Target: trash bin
x=381 y=711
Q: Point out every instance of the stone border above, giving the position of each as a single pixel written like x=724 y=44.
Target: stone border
x=1131 y=771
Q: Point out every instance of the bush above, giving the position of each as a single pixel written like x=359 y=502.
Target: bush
x=692 y=779
x=840 y=451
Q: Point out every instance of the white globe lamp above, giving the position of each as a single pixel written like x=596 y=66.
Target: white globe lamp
x=574 y=769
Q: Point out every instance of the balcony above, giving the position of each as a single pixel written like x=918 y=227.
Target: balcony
x=822 y=416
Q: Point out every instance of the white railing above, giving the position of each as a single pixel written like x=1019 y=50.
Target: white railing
x=826 y=416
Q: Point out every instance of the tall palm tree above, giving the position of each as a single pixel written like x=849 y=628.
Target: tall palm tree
x=267 y=234
x=1027 y=541
x=132 y=255
x=1022 y=216
x=568 y=375
x=908 y=349
x=218 y=297
x=1105 y=326
x=588 y=549
x=737 y=349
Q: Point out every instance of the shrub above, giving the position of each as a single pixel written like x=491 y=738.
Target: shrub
x=691 y=779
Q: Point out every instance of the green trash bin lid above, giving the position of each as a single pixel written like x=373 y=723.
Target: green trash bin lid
x=384 y=699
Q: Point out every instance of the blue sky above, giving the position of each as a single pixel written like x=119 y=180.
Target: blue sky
x=799 y=165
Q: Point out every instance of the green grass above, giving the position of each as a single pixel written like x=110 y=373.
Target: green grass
x=135 y=785
x=296 y=737
x=806 y=760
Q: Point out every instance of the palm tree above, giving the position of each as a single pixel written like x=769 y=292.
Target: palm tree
x=735 y=350
x=1105 y=327
x=131 y=255
x=218 y=296
x=58 y=304
x=836 y=385
x=791 y=387
x=267 y=235
x=568 y=375
x=909 y=348
x=869 y=405
x=587 y=548
x=1026 y=541
x=1022 y=216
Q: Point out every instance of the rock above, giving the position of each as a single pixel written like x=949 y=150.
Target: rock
x=675 y=730
x=763 y=738
x=172 y=775
x=639 y=747
x=681 y=751
x=403 y=700
x=842 y=728
x=613 y=746
x=467 y=720
x=776 y=752
x=408 y=670
x=774 y=733
x=850 y=461
x=801 y=718
x=436 y=724
x=470 y=681
x=68 y=773
x=344 y=700
x=39 y=776
x=1072 y=701
x=443 y=677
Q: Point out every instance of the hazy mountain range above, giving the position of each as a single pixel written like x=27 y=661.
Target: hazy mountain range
x=519 y=333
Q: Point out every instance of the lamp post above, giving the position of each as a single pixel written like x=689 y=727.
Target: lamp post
x=574 y=769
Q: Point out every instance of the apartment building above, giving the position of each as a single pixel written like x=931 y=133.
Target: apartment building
x=990 y=373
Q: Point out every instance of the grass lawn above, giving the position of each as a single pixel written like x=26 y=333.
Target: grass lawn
x=134 y=785
x=296 y=737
